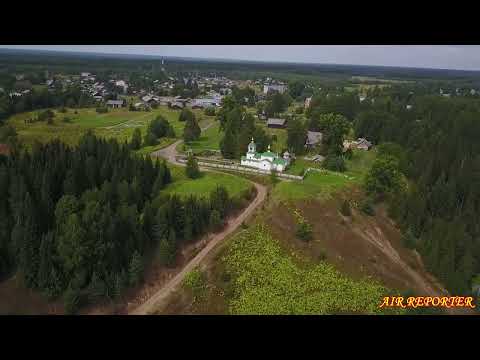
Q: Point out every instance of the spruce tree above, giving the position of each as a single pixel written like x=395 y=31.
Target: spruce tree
x=192 y=171
x=135 y=269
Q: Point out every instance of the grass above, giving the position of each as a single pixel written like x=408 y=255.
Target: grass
x=209 y=140
x=281 y=134
x=184 y=187
x=117 y=123
x=321 y=185
x=268 y=281
x=300 y=165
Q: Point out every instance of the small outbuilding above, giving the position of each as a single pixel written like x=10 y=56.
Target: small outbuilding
x=276 y=123
x=115 y=103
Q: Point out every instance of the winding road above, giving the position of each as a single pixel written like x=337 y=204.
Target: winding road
x=169 y=153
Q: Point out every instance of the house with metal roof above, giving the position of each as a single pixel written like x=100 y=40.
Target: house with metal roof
x=313 y=138
x=276 y=123
x=115 y=103
x=268 y=160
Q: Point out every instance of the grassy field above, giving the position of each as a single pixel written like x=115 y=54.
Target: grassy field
x=267 y=280
x=321 y=185
x=209 y=140
x=185 y=187
x=117 y=123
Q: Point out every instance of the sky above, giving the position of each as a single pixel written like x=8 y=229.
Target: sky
x=462 y=57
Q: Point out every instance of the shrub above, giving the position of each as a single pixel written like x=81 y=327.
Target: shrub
x=322 y=256
x=62 y=110
x=345 y=208
x=196 y=282
x=367 y=206
x=409 y=240
x=304 y=231
x=101 y=110
x=334 y=163
x=66 y=119
x=209 y=111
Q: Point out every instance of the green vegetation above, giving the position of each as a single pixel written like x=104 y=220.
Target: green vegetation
x=184 y=187
x=195 y=281
x=345 y=208
x=117 y=123
x=266 y=280
x=191 y=170
x=208 y=140
x=304 y=229
x=322 y=184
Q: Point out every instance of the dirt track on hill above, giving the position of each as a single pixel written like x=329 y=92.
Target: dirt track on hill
x=169 y=153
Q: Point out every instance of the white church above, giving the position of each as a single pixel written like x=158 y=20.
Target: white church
x=265 y=161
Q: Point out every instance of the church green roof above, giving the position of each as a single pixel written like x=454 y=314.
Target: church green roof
x=269 y=154
x=279 y=161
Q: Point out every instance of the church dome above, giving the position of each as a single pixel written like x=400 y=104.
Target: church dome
x=252 y=147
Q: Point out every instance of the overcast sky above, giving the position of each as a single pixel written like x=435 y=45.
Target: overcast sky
x=465 y=57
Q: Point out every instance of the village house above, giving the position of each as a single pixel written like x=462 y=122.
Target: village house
x=307 y=102
x=115 y=104
x=122 y=84
x=141 y=106
x=177 y=105
x=314 y=138
x=278 y=88
x=276 y=123
x=360 y=143
x=265 y=161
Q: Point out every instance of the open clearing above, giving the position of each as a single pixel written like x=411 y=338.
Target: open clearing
x=201 y=187
x=117 y=123
x=318 y=185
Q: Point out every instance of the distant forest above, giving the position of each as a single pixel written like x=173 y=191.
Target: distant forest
x=77 y=62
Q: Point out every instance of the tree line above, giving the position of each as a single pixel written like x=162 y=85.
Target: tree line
x=429 y=172
x=78 y=223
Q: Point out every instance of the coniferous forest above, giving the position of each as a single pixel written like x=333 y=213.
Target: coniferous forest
x=77 y=222
x=435 y=146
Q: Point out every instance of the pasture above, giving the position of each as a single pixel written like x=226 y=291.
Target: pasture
x=117 y=123
x=201 y=187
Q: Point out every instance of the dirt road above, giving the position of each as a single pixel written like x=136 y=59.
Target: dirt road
x=151 y=304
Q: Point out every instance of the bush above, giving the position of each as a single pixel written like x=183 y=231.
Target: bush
x=46 y=115
x=345 y=209
x=66 y=119
x=196 y=282
x=101 y=110
x=334 y=163
x=209 y=111
x=367 y=206
x=62 y=110
x=322 y=256
x=304 y=231
x=409 y=240
x=299 y=110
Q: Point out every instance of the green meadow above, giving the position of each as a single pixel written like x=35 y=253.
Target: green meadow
x=184 y=186
x=117 y=123
x=322 y=184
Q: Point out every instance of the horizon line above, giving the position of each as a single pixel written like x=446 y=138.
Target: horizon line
x=113 y=54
